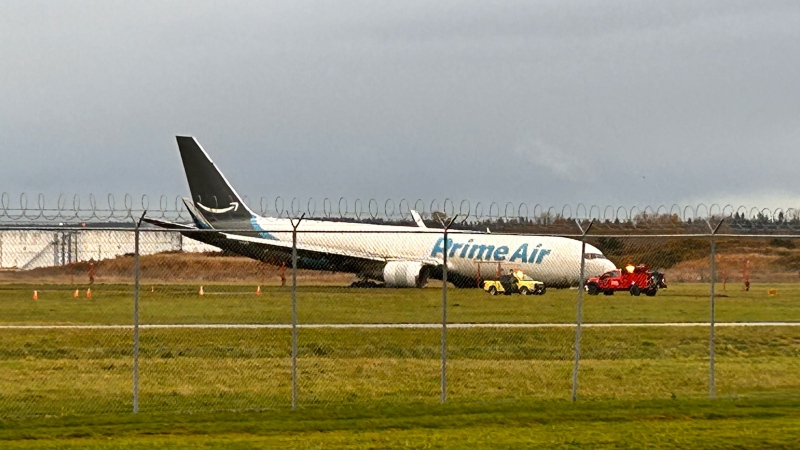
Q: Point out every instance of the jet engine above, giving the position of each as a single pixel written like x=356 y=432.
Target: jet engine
x=406 y=274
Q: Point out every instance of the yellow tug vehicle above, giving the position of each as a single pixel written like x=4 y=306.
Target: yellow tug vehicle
x=514 y=283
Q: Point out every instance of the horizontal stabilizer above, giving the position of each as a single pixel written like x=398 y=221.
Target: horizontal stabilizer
x=168 y=225
x=197 y=216
x=418 y=219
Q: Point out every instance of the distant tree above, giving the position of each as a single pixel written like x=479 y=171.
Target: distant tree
x=610 y=246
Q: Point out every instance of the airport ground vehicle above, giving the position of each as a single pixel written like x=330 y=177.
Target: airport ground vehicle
x=634 y=279
x=516 y=282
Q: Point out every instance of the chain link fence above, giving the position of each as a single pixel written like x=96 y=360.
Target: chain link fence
x=115 y=319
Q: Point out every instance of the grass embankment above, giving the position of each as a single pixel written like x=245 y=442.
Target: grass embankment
x=69 y=371
x=113 y=304
x=79 y=371
x=371 y=388
x=519 y=424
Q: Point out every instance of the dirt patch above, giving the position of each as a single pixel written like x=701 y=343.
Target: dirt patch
x=178 y=267
x=173 y=267
x=762 y=267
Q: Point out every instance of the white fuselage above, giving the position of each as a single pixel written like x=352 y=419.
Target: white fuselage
x=554 y=260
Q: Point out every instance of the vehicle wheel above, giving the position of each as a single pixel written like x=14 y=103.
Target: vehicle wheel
x=635 y=291
x=524 y=290
x=651 y=292
x=592 y=289
x=492 y=290
x=542 y=290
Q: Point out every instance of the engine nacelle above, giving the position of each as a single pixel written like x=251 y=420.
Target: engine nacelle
x=406 y=274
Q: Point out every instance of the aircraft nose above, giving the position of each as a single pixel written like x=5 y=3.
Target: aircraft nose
x=598 y=267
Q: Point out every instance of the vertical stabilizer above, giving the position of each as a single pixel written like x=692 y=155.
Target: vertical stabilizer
x=212 y=195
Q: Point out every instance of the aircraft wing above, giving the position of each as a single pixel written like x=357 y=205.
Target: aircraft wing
x=169 y=225
x=309 y=255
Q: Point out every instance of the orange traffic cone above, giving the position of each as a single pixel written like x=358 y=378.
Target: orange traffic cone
x=89 y=293
x=258 y=290
x=201 y=291
x=76 y=294
x=35 y=295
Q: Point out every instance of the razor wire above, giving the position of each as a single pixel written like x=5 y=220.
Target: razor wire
x=497 y=216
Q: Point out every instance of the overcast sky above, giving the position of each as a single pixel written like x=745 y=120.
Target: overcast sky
x=556 y=102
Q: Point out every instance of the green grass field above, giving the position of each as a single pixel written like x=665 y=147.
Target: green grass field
x=113 y=304
x=700 y=424
x=58 y=387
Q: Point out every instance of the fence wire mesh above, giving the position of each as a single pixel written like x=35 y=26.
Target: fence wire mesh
x=216 y=330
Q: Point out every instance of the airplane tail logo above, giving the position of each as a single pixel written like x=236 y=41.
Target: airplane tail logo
x=234 y=207
x=211 y=192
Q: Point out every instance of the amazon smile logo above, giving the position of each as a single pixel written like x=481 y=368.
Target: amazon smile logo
x=234 y=206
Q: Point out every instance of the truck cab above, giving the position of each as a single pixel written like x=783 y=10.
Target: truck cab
x=634 y=279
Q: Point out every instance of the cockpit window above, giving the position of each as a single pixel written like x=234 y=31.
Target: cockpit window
x=594 y=256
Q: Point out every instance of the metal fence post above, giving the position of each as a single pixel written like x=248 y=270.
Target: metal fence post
x=711 y=381
x=136 y=315
x=444 y=308
x=444 y=321
x=579 y=318
x=712 y=387
x=295 y=224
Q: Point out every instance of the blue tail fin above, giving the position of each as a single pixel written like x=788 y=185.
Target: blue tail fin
x=212 y=195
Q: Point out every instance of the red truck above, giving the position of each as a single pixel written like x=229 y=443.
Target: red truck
x=636 y=280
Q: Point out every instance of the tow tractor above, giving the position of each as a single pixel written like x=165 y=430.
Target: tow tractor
x=634 y=279
x=515 y=282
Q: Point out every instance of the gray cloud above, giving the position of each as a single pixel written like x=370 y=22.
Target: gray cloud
x=551 y=102
x=563 y=165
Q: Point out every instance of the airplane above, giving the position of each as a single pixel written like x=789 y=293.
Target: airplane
x=398 y=256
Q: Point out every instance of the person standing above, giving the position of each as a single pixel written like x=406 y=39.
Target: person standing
x=92 y=270
x=746 y=276
x=282 y=274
